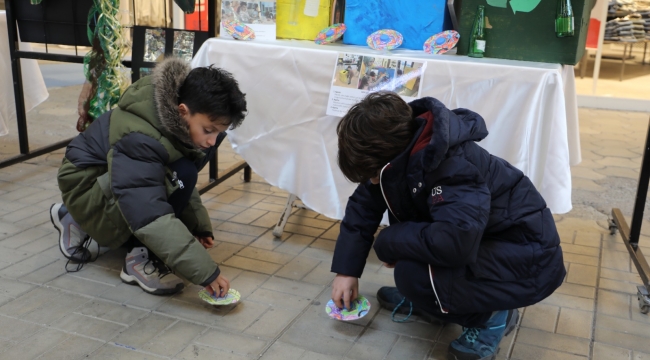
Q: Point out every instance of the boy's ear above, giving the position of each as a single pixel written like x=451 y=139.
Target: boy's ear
x=183 y=109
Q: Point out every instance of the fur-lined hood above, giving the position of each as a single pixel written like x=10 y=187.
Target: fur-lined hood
x=167 y=79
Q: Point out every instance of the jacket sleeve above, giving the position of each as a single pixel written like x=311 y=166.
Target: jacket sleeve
x=195 y=216
x=363 y=215
x=138 y=183
x=459 y=206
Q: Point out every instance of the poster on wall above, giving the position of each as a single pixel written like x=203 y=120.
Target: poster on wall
x=256 y=14
x=355 y=76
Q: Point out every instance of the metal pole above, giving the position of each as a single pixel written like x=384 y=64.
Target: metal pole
x=641 y=194
x=21 y=114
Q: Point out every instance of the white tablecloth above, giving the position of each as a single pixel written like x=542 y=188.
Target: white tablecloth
x=34 y=88
x=530 y=110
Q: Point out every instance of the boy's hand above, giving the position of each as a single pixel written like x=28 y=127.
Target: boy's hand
x=206 y=241
x=344 y=288
x=390 y=266
x=219 y=286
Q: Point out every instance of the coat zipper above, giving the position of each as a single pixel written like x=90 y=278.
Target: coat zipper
x=381 y=173
x=384 y=194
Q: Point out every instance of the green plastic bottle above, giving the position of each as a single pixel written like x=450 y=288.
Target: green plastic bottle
x=564 y=23
x=477 y=38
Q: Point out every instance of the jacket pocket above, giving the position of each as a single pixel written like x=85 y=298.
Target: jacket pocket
x=104 y=183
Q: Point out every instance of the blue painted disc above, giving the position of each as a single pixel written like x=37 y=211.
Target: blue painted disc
x=440 y=41
x=384 y=38
x=329 y=32
x=239 y=28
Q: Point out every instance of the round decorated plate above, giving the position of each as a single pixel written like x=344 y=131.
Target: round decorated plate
x=238 y=30
x=384 y=40
x=442 y=42
x=330 y=34
x=232 y=297
x=359 y=308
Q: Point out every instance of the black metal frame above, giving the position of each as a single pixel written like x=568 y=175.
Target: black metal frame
x=631 y=234
x=21 y=115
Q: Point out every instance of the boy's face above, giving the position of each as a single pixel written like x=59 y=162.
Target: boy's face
x=202 y=131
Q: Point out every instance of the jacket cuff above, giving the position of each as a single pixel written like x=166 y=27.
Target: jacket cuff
x=211 y=278
x=204 y=234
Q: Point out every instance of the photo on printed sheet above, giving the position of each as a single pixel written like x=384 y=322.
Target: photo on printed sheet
x=258 y=15
x=347 y=71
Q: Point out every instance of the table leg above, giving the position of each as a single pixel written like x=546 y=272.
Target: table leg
x=279 y=228
x=645 y=47
x=623 y=62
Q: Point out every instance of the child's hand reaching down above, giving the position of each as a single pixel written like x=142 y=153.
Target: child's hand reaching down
x=219 y=286
x=344 y=290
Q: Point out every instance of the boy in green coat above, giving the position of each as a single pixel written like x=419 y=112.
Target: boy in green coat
x=129 y=179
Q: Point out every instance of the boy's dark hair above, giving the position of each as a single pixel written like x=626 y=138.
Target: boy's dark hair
x=372 y=133
x=214 y=92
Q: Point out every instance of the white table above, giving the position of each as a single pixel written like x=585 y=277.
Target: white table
x=34 y=88
x=530 y=110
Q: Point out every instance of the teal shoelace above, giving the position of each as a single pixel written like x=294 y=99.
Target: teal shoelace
x=392 y=316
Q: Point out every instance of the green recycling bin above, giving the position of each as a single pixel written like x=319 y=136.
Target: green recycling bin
x=525 y=29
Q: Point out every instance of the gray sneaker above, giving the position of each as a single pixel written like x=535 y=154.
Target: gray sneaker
x=150 y=273
x=73 y=241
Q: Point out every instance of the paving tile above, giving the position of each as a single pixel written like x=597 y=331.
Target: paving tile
x=117 y=351
x=247 y=282
x=576 y=323
x=202 y=352
x=608 y=352
x=320 y=275
x=619 y=339
x=614 y=304
x=623 y=325
x=332 y=233
x=111 y=312
x=541 y=316
x=35 y=345
x=269 y=242
x=563 y=343
x=145 y=330
x=23 y=238
x=587 y=238
x=241 y=316
x=582 y=274
x=224 y=251
x=173 y=339
x=409 y=348
x=266 y=255
x=252 y=265
x=220 y=206
x=326 y=345
x=414 y=329
x=580 y=258
x=247 y=216
x=311 y=222
x=283 y=351
x=242 y=229
x=263 y=205
x=197 y=311
x=26 y=266
x=618 y=286
x=11 y=256
x=46 y=273
x=292 y=287
x=526 y=352
x=271 y=323
x=238 y=344
x=229 y=237
x=279 y=299
x=268 y=220
x=16 y=329
x=297 y=268
x=318 y=253
x=616 y=260
x=79 y=285
x=88 y=326
x=569 y=301
x=295 y=244
x=373 y=344
x=248 y=199
x=13 y=289
x=640 y=356
x=74 y=347
x=303 y=230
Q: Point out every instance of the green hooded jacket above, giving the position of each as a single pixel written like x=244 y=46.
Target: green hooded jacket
x=115 y=178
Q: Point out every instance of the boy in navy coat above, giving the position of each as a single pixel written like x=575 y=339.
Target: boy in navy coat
x=470 y=238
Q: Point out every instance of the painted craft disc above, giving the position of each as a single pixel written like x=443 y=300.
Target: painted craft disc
x=384 y=39
x=330 y=34
x=442 y=42
x=238 y=30
x=232 y=297
x=359 y=308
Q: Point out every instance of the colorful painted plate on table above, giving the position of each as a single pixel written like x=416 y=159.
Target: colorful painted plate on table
x=359 y=308
x=385 y=39
x=238 y=30
x=232 y=297
x=330 y=34
x=442 y=42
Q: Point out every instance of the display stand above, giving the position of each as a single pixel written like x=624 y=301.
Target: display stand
x=64 y=22
x=631 y=234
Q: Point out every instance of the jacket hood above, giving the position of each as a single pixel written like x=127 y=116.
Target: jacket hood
x=446 y=128
x=167 y=79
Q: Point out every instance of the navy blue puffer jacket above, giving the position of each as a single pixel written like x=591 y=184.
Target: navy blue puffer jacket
x=479 y=223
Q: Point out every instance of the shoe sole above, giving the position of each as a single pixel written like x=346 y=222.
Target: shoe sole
x=54 y=218
x=404 y=311
x=511 y=324
x=132 y=280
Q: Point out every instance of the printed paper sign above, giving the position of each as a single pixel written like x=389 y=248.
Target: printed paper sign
x=258 y=15
x=355 y=76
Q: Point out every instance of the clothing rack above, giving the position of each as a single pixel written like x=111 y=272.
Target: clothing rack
x=630 y=234
x=78 y=25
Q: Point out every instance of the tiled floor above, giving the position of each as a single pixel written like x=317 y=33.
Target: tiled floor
x=47 y=313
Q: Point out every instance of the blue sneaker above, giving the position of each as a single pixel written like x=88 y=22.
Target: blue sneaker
x=483 y=344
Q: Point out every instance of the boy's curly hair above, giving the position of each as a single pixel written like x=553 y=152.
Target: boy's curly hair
x=372 y=133
x=214 y=92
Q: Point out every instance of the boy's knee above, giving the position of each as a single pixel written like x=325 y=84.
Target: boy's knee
x=411 y=277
